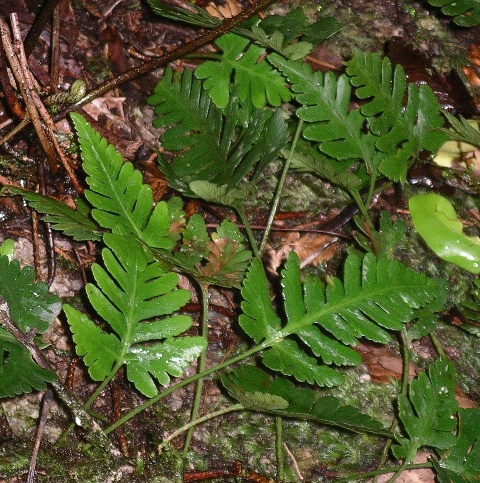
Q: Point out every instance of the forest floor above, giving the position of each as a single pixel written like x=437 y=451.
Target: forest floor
x=98 y=41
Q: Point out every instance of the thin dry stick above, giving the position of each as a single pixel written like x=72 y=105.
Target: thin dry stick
x=46 y=406
x=39 y=115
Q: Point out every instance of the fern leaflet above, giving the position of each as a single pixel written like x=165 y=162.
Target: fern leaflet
x=130 y=292
x=75 y=223
x=465 y=13
x=122 y=203
x=428 y=413
x=461 y=463
x=403 y=132
x=253 y=76
x=322 y=322
x=382 y=133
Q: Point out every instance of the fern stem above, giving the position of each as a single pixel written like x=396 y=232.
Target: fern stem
x=102 y=386
x=202 y=363
x=185 y=382
x=383 y=471
x=246 y=224
x=279 y=447
x=404 y=389
x=195 y=422
x=281 y=184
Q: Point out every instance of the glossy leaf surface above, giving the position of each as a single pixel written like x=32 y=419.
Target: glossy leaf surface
x=436 y=221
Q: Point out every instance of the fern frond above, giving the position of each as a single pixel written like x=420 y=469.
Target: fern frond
x=281 y=397
x=130 y=292
x=462 y=130
x=325 y=107
x=428 y=413
x=383 y=133
x=376 y=296
x=465 y=13
x=403 y=131
x=210 y=144
x=253 y=77
x=31 y=307
x=122 y=203
x=75 y=223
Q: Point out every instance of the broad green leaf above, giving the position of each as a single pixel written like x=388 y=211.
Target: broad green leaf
x=436 y=221
x=375 y=297
x=462 y=462
x=428 y=413
x=285 y=399
x=7 y=248
x=465 y=13
x=75 y=223
x=31 y=307
x=122 y=203
x=136 y=298
x=253 y=76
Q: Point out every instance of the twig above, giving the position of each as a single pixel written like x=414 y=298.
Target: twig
x=168 y=57
x=37 y=112
x=47 y=405
x=38 y=25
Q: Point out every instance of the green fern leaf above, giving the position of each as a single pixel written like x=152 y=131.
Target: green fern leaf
x=210 y=144
x=276 y=41
x=30 y=307
x=462 y=130
x=465 y=13
x=375 y=295
x=428 y=413
x=193 y=14
x=259 y=320
x=247 y=382
x=122 y=203
x=216 y=194
x=325 y=107
x=74 y=223
x=461 y=463
x=253 y=76
x=382 y=132
x=130 y=292
x=403 y=132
